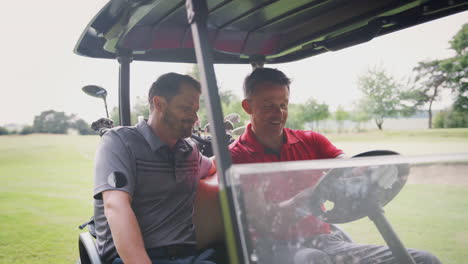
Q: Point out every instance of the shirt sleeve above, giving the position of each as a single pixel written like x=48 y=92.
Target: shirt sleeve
x=205 y=164
x=326 y=149
x=113 y=166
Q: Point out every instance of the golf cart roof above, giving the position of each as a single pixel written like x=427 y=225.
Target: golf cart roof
x=241 y=31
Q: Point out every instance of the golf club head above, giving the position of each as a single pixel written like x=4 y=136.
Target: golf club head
x=234 y=118
x=228 y=125
x=206 y=128
x=239 y=131
x=95 y=91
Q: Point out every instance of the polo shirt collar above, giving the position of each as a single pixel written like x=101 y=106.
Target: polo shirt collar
x=156 y=143
x=291 y=138
x=152 y=139
x=249 y=140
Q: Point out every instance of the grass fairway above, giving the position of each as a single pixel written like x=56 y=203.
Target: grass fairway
x=429 y=217
x=405 y=142
x=46 y=192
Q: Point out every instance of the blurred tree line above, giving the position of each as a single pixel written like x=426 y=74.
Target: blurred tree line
x=53 y=122
x=385 y=97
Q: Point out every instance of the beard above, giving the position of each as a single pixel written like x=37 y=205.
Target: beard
x=182 y=128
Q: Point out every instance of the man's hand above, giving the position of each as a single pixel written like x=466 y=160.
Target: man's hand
x=213 y=166
x=124 y=227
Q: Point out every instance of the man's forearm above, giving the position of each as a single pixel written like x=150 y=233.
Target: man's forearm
x=126 y=234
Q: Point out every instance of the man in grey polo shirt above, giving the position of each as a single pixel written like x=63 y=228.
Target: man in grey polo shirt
x=146 y=177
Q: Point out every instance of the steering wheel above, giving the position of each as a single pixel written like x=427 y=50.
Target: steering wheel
x=357 y=192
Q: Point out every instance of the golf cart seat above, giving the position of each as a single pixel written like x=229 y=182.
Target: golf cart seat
x=88 y=250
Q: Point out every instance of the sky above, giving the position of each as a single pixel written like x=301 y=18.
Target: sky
x=39 y=71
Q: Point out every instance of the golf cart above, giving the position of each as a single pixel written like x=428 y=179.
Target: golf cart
x=256 y=33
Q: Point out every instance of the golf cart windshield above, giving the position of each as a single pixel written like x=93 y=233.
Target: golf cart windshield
x=346 y=190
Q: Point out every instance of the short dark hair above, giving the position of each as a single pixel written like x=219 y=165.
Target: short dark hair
x=168 y=86
x=264 y=75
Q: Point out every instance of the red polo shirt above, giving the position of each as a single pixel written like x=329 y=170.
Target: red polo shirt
x=299 y=145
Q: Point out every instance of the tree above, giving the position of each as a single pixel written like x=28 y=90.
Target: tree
x=140 y=108
x=451 y=118
x=432 y=76
x=83 y=127
x=114 y=115
x=295 y=116
x=457 y=69
x=194 y=72
x=51 y=122
x=3 y=131
x=340 y=116
x=27 y=130
x=231 y=103
x=382 y=96
x=235 y=106
x=227 y=96
x=314 y=111
x=459 y=42
x=202 y=112
x=57 y=123
x=359 y=115
x=430 y=79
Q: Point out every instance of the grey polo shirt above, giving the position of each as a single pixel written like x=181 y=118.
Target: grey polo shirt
x=161 y=182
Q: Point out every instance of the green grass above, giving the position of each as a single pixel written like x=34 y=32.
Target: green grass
x=405 y=142
x=429 y=217
x=46 y=192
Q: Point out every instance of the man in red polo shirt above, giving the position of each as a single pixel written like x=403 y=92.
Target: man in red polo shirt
x=266 y=139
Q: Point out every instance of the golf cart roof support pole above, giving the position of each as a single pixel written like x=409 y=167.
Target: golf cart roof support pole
x=124 y=90
x=394 y=243
x=197 y=14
